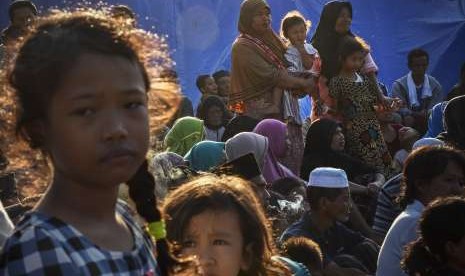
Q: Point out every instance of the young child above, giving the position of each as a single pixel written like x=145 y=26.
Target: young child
x=219 y=220
x=306 y=252
x=81 y=91
x=303 y=60
x=356 y=96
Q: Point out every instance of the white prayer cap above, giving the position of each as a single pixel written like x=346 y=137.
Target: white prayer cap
x=423 y=142
x=326 y=177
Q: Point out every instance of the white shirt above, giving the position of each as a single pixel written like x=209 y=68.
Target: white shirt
x=214 y=135
x=403 y=231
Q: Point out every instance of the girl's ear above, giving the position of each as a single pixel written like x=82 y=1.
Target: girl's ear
x=247 y=257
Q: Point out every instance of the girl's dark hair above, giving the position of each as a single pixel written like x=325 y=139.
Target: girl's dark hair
x=304 y=251
x=292 y=19
x=442 y=221
x=224 y=193
x=424 y=164
x=315 y=194
x=38 y=63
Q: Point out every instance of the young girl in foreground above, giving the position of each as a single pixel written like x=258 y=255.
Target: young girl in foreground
x=219 y=221
x=81 y=88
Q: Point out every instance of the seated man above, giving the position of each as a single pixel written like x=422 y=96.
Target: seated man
x=418 y=90
x=345 y=252
x=459 y=88
x=454 y=120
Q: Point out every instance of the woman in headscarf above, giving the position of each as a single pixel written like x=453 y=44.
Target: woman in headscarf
x=334 y=25
x=215 y=116
x=258 y=64
x=205 y=155
x=324 y=147
x=167 y=173
x=280 y=144
x=185 y=133
x=237 y=125
x=249 y=142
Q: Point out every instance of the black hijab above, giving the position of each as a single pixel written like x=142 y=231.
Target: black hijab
x=318 y=152
x=326 y=40
x=239 y=124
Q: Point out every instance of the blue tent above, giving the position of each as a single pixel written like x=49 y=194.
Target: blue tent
x=200 y=32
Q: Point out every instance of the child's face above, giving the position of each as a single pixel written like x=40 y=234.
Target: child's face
x=297 y=34
x=354 y=62
x=97 y=129
x=215 y=238
x=210 y=87
x=215 y=116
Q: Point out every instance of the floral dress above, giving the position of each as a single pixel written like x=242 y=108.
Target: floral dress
x=355 y=104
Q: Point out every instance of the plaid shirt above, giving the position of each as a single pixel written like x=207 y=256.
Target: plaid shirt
x=42 y=245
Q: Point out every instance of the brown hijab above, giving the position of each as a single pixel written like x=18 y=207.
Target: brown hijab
x=252 y=73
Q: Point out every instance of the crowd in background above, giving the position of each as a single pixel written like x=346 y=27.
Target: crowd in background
x=133 y=179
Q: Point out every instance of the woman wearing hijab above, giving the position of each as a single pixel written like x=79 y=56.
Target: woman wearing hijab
x=249 y=142
x=185 y=133
x=205 y=155
x=324 y=147
x=167 y=173
x=215 y=116
x=280 y=144
x=258 y=64
x=334 y=25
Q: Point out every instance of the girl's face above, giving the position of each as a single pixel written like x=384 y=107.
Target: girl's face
x=338 y=142
x=215 y=238
x=354 y=62
x=343 y=22
x=297 y=34
x=210 y=87
x=215 y=116
x=97 y=130
x=261 y=22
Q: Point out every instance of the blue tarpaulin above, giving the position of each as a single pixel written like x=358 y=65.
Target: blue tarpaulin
x=200 y=32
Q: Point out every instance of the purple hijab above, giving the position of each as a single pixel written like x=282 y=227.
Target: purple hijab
x=276 y=132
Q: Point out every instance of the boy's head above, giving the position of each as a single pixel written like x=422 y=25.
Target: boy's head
x=328 y=193
x=407 y=137
x=223 y=82
x=22 y=13
x=418 y=60
x=206 y=84
x=306 y=252
x=294 y=27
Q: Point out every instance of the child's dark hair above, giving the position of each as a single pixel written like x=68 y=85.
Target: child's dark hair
x=350 y=45
x=304 y=251
x=224 y=193
x=315 y=194
x=200 y=81
x=442 y=221
x=17 y=4
x=285 y=185
x=292 y=19
x=416 y=53
x=207 y=103
x=424 y=164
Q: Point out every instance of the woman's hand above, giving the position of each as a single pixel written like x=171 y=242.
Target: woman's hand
x=388 y=103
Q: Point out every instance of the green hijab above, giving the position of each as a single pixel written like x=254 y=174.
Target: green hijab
x=185 y=133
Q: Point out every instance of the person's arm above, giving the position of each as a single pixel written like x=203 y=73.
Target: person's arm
x=307 y=59
x=286 y=81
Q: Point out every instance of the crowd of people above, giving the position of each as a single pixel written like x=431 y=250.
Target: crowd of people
x=106 y=169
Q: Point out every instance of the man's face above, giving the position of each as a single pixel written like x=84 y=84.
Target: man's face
x=22 y=17
x=419 y=65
